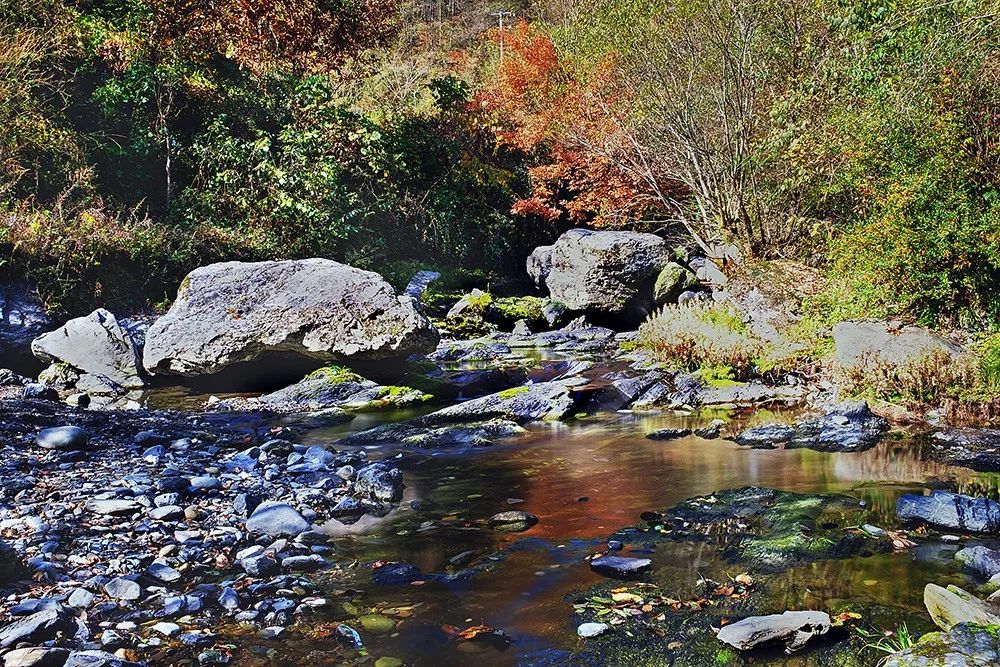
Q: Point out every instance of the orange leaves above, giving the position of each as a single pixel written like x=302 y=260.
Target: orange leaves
x=539 y=104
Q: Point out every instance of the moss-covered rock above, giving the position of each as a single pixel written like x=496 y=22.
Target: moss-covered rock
x=765 y=529
x=965 y=644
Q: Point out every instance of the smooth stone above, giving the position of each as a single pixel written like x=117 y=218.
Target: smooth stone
x=121 y=588
x=276 y=519
x=81 y=598
x=980 y=560
x=513 y=521
x=377 y=623
x=36 y=656
x=951 y=511
x=62 y=437
x=950 y=606
x=167 y=513
x=114 y=507
x=167 y=629
x=587 y=630
x=620 y=567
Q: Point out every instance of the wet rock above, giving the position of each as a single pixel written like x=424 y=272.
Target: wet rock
x=846 y=427
x=610 y=272
x=965 y=644
x=36 y=628
x=36 y=656
x=315 y=309
x=975 y=448
x=545 y=400
x=276 y=519
x=951 y=511
x=377 y=623
x=668 y=433
x=264 y=565
x=39 y=391
x=396 y=574
x=419 y=283
x=792 y=628
x=513 y=521
x=712 y=431
x=380 y=482
x=98 y=659
x=950 y=606
x=62 y=437
x=766 y=529
x=981 y=561
x=94 y=345
x=620 y=567
x=438 y=437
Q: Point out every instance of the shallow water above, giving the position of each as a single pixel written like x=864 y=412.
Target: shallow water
x=584 y=480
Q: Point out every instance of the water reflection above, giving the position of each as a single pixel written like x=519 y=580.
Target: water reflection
x=587 y=479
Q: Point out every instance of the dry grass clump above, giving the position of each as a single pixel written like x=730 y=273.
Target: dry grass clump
x=931 y=378
x=701 y=334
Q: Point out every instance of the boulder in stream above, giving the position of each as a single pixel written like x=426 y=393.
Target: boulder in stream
x=316 y=310
x=951 y=511
x=965 y=644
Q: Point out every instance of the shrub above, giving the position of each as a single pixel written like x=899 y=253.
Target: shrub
x=930 y=379
x=700 y=334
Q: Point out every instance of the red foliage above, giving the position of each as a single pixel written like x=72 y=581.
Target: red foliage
x=537 y=104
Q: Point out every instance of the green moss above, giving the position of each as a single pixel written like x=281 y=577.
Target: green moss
x=511 y=393
x=336 y=375
x=521 y=308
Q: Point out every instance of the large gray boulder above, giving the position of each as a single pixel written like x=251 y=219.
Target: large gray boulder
x=544 y=400
x=312 y=309
x=95 y=344
x=607 y=272
x=865 y=345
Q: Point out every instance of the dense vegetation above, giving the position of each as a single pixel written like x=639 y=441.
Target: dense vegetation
x=142 y=138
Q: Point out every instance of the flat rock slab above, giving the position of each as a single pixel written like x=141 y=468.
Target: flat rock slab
x=952 y=605
x=952 y=511
x=975 y=448
x=792 y=628
x=544 y=400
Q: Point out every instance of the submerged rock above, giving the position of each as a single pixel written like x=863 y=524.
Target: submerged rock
x=846 y=427
x=513 y=521
x=792 y=629
x=952 y=511
x=763 y=528
x=975 y=448
x=313 y=309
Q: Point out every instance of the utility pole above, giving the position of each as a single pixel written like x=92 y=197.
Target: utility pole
x=501 y=14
